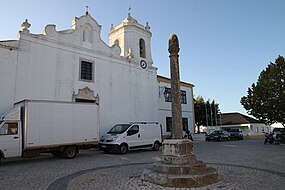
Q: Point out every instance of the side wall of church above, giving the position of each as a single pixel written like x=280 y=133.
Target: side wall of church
x=8 y=64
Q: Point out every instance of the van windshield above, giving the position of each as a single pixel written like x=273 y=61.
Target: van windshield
x=119 y=129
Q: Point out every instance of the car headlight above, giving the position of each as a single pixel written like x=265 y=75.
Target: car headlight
x=114 y=138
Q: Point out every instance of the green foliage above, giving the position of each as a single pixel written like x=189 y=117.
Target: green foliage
x=206 y=112
x=265 y=100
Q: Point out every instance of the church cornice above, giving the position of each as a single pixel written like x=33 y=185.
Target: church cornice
x=9 y=47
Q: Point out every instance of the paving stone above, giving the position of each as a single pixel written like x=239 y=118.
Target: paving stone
x=247 y=164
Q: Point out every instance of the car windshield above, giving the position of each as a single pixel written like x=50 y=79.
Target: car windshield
x=215 y=132
x=119 y=129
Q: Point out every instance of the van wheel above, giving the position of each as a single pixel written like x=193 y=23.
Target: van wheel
x=123 y=148
x=70 y=152
x=156 y=146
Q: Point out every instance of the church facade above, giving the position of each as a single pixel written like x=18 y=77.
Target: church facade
x=76 y=65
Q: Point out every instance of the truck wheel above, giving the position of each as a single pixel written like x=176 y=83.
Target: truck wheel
x=123 y=148
x=70 y=152
x=156 y=146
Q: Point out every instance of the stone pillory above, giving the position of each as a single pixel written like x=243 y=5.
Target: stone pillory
x=178 y=167
x=177 y=130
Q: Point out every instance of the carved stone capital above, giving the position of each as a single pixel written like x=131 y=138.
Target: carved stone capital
x=173 y=45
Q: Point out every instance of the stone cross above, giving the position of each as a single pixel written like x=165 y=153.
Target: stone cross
x=129 y=13
x=86 y=10
x=177 y=129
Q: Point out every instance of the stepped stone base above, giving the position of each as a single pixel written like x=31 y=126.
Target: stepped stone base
x=179 y=167
x=208 y=177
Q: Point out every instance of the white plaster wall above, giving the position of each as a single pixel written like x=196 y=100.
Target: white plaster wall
x=256 y=128
x=164 y=108
x=48 y=69
x=126 y=94
x=8 y=64
x=250 y=129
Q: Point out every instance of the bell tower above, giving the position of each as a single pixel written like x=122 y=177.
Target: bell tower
x=133 y=39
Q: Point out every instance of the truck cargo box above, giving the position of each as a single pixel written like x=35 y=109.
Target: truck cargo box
x=49 y=123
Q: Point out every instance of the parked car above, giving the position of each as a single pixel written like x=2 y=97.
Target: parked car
x=136 y=135
x=218 y=135
x=236 y=134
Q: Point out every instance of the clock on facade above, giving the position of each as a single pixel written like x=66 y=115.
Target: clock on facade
x=143 y=64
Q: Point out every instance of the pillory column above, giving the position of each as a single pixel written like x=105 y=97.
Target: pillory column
x=177 y=129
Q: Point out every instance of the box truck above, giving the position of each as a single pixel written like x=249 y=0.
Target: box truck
x=135 y=135
x=32 y=127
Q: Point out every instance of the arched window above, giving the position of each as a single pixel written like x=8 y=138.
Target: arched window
x=87 y=35
x=117 y=42
x=142 y=48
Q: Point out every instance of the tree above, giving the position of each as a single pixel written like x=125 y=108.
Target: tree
x=206 y=112
x=265 y=100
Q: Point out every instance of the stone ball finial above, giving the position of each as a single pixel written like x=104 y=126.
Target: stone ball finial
x=25 y=25
x=112 y=27
x=147 y=28
x=173 y=44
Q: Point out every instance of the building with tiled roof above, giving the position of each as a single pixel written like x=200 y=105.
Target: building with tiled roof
x=248 y=125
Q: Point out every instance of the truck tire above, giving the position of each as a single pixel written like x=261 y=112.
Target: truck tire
x=70 y=152
x=156 y=146
x=123 y=148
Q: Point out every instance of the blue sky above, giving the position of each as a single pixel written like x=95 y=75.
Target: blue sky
x=225 y=44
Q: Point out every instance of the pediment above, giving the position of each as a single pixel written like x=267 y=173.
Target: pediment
x=85 y=33
x=85 y=20
x=85 y=93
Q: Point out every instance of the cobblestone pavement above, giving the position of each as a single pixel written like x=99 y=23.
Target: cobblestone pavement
x=246 y=164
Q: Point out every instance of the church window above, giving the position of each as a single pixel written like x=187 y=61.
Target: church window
x=117 y=42
x=142 y=48
x=87 y=35
x=86 y=71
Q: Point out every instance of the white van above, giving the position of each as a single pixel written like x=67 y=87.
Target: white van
x=136 y=135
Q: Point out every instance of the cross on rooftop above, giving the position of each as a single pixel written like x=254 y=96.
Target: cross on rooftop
x=86 y=10
x=129 y=10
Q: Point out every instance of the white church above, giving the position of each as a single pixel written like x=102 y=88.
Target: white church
x=76 y=65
